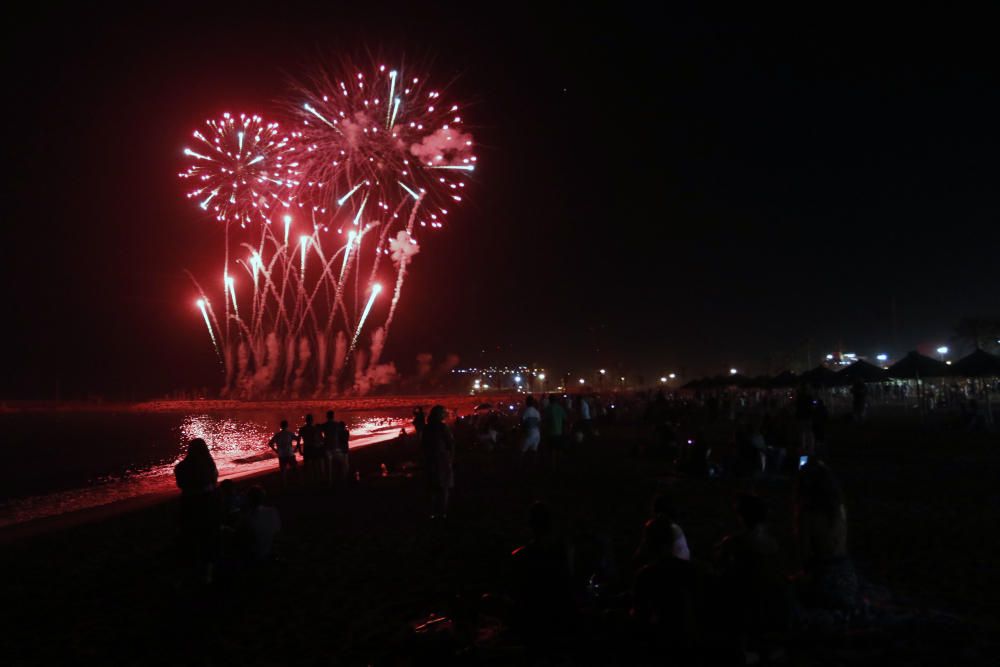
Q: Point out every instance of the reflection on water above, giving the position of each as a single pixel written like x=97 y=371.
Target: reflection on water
x=238 y=443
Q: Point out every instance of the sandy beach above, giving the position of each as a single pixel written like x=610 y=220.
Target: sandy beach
x=362 y=566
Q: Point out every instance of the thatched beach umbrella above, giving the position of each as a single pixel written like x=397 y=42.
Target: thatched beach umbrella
x=821 y=376
x=785 y=379
x=979 y=364
x=863 y=371
x=916 y=366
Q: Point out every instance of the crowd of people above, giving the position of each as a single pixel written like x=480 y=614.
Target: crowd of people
x=739 y=596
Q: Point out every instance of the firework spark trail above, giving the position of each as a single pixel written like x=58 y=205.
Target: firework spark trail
x=376 y=288
x=204 y=313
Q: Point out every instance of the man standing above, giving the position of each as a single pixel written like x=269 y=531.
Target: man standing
x=553 y=423
x=531 y=423
x=335 y=437
x=282 y=444
x=312 y=449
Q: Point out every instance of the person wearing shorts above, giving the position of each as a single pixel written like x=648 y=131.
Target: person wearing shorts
x=531 y=421
x=284 y=443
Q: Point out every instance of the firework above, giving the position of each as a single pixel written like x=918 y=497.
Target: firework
x=241 y=169
x=381 y=135
x=373 y=157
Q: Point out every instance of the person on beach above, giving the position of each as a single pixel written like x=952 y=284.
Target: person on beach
x=531 y=421
x=196 y=477
x=664 y=592
x=439 y=450
x=828 y=579
x=540 y=585
x=553 y=425
x=310 y=441
x=284 y=443
x=258 y=526
x=335 y=437
x=419 y=421
x=755 y=601
x=665 y=513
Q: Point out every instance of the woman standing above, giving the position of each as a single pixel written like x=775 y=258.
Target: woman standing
x=439 y=451
x=196 y=477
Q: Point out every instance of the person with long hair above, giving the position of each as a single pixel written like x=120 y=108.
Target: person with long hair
x=828 y=578
x=438 y=447
x=197 y=477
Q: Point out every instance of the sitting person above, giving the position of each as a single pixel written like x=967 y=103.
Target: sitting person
x=663 y=509
x=540 y=584
x=258 y=526
x=755 y=596
x=663 y=599
x=828 y=578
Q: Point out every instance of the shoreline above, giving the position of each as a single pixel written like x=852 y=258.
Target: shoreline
x=34 y=527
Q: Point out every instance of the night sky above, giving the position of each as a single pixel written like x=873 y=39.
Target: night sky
x=655 y=193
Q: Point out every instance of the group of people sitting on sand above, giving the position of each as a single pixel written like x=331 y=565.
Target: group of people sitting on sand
x=736 y=601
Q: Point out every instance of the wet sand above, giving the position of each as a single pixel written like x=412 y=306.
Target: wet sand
x=363 y=564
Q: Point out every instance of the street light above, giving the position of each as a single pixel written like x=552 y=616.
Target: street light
x=663 y=380
x=733 y=371
x=541 y=376
x=882 y=357
x=672 y=376
x=602 y=371
x=943 y=350
x=581 y=380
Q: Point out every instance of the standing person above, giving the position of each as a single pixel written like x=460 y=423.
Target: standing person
x=334 y=450
x=311 y=444
x=282 y=444
x=531 y=421
x=196 y=477
x=828 y=579
x=439 y=451
x=804 y=419
x=860 y=393
x=419 y=421
x=553 y=424
x=586 y=425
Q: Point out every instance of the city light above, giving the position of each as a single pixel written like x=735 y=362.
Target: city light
x=882 y=357
x=517 y=379
x=541 y=376
x=733 y=371
x=943 y=349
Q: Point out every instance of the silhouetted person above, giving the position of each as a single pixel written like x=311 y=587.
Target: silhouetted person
x=664 y=511
x=829 y=580
x=756 y=597
x=258 y=526
x=554 y=427
x=531 y=422
x=804 y=419
x=438 y=447
x=311 y=443
x=859 y=394
x=540 y=585
x=419 y=421
x=284 y=443
x=196 y=477
x=663 y=595
x=335 y=445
